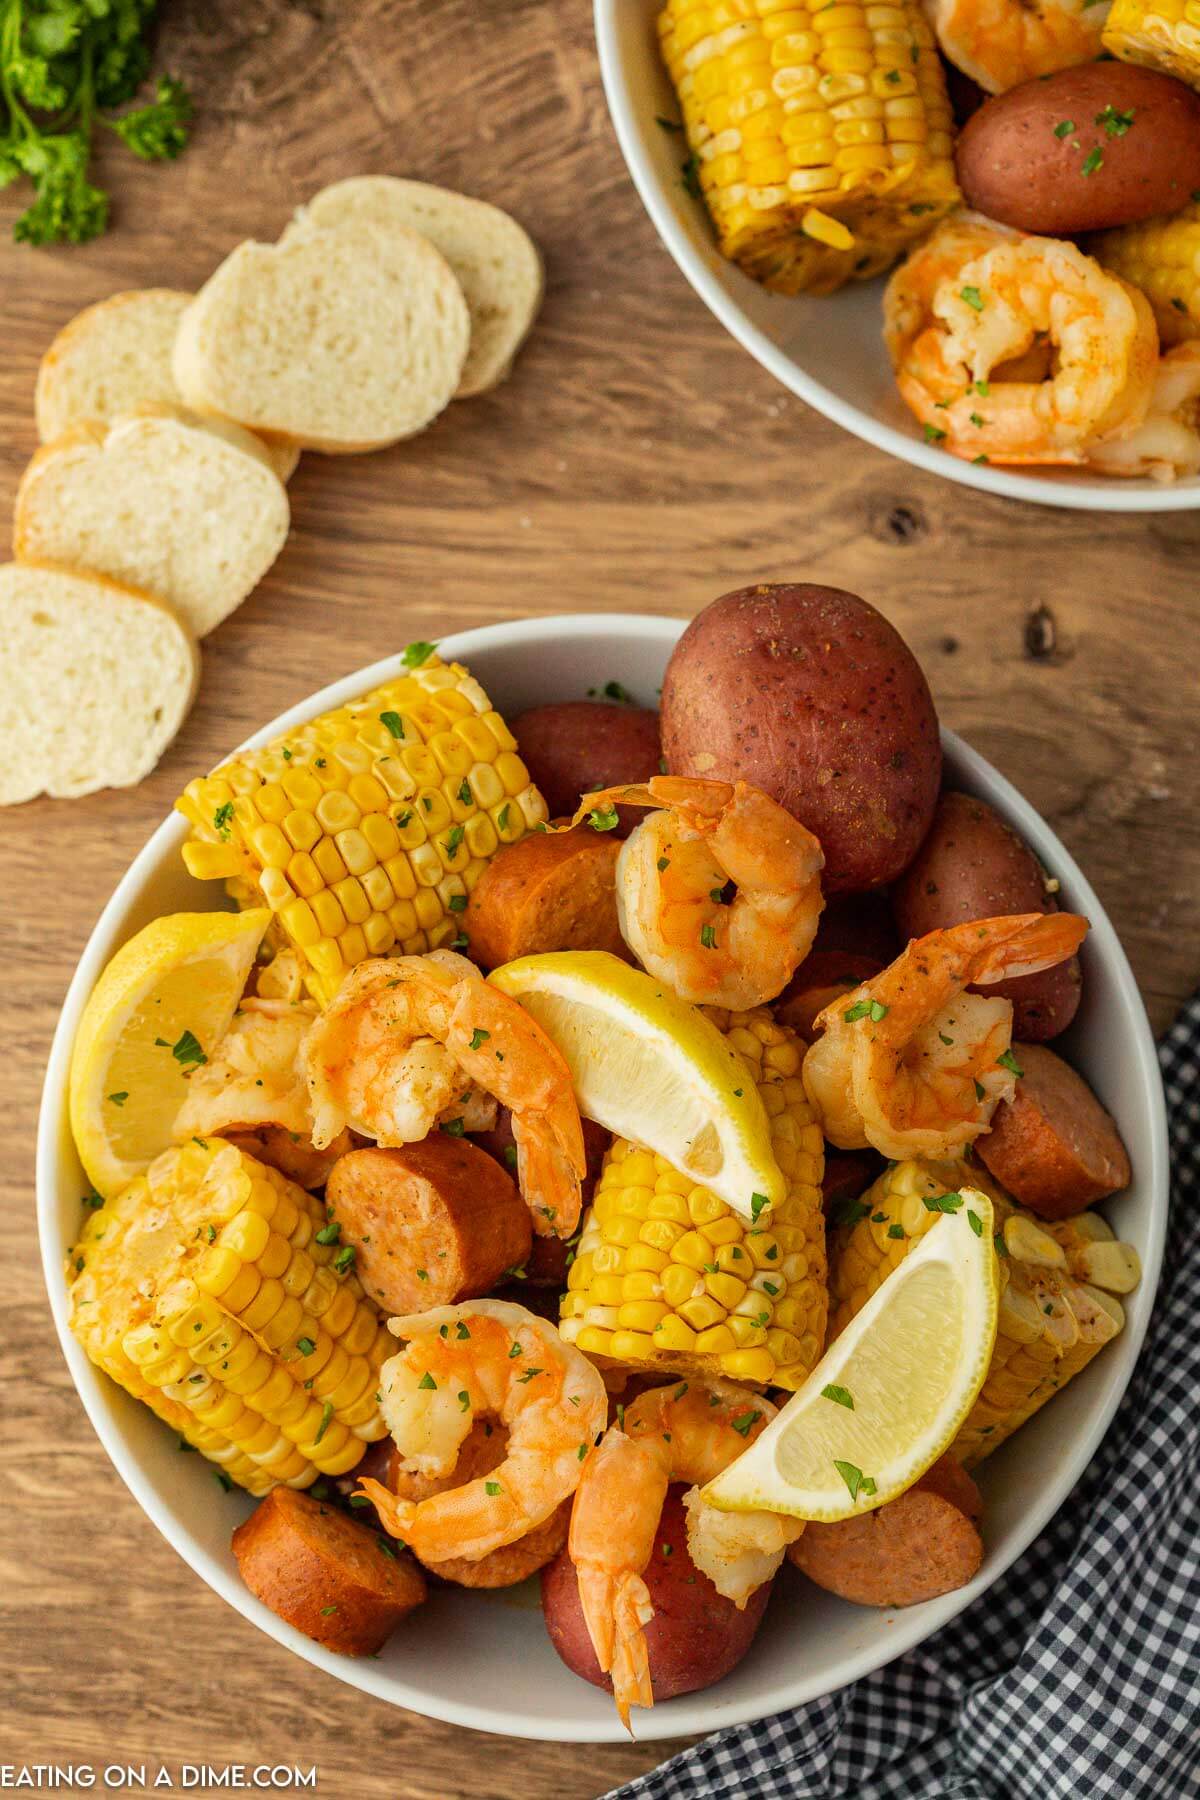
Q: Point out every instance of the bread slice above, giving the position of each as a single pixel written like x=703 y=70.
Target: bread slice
x=496 y=261
x=337 y=340
x=95 y=680
x=184 y=508
x=115 y=358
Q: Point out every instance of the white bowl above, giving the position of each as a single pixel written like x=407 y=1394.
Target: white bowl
x=484 y=1659
x=829 y=351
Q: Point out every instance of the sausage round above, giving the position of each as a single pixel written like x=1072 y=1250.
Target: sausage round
x=924 y=1543
x=1053 y=1146
x=331 y=1577
x=549 y=891
x=431 y=1223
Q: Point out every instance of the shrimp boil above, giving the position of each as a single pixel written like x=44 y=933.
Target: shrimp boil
x=1000 y=43
x=715 y=943
x=412 y=1040
x=1019 y=351
x=1166 y=445
x=487 y=1359
x=688 y=1431
x=911 y=1064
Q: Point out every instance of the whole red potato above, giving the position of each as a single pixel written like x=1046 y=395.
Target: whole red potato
x=810 y=694
x=695 y=1637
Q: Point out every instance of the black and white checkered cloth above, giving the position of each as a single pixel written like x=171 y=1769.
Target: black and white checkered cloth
x=1077 y=1676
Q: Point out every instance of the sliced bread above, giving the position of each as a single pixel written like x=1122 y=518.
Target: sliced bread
x=184 y=508
x=115 y=358
x=95 y=680
x=496 y=261
x=336 y=340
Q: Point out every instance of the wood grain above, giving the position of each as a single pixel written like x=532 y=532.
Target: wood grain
x=636 y=460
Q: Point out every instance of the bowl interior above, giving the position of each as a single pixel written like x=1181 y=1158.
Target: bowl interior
x=829 y=351
x=484 y=1660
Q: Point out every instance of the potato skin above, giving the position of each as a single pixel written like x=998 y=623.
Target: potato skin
x=575 y=746
x=695 y=1638
x=972 y=866
x=1013 y=167
x=811 y=695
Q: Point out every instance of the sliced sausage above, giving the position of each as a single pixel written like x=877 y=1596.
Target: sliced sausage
x=431 y=1223
x=1053 y=1146
x=550 y=891
x=924 y=1543
x=331 y=1577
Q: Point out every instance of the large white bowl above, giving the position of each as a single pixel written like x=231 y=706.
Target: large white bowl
x=484 y=1660
x=829 y=351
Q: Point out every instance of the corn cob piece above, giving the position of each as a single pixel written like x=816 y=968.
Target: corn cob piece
x=1054 y=1314
x=1160 y=34
x=669 y=1277
x=365 y=830
x=821 y=134
x=204 y=1290
x=1162 y=258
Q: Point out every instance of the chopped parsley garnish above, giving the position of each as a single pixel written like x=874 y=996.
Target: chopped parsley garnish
x=187 y=1051
x=603 y=818
x=614 y=691
x=664 y=862
x=418 y=653
x=973 y=298
x=855 y=1480
x=326 y=1610
x=980 y=1091
x=848 y=1212
x=427 y=1381
x=492 y=1487
x=464 y=791
x=502 y=817
x=689 y=174
x=394 y=723
x=1001 y=1246
x=839 y=1395
x=457 y=903
x=667 y=124
x=422 y=1274
x=933 y=434
x=745 y=1422
x=1092 y=161
x=1115 y=123
x=464 y=1399
x=453 y=1127
x=510 y=1156
x=529 y=1375
x=329 y=1234
x=757 y=1203
x=454 y=839
x=343 y=1262
x=1008 y=1061
x=479 y=1036
x=708 y=937
x=941 y=1203
x=326 y=1415
x=515 y=1349
x=462 y=1330
x=896 y=1231
x=119 y=1099
x=1064 y=128
x=975 y=1222
x=305 y=1346
x=221 y=818
x=404 y=818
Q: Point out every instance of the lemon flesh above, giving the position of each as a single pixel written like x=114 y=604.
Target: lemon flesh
x=159 y=1010
x=653 y=1069
x=911 y=1362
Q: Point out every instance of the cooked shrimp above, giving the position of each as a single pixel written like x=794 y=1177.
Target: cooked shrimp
x=485 y=1359
x=1167 y=445
x=910 y=1063
x=1000 y=43
x=962 y=320
x=687 y=1431
x=677 y=914
x=408 y=1038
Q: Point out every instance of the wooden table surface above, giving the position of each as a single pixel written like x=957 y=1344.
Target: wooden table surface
x=636 y=460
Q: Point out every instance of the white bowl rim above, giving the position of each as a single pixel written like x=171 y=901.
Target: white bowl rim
x=674 y=1718
x=1101 y=495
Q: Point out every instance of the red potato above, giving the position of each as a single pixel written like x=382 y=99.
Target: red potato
x=1086 y=149
x=549 y=891
x=972 y=866
x=810 y=694
x=574 y=747
x=330 y=1576
x=1053 y=1146
x=695 y=1638
x=861 y=924
x=848 y=1173
x=431 y=1223
x=915 y=1547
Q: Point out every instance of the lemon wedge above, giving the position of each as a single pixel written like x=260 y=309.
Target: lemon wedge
x=892 y=1391
x=653 y=1069
x=160 y=1008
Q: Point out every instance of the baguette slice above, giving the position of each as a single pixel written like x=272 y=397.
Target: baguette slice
x=496 y=261
x=95 y=680
x=115 y=358
x=173 y=505
x=336 y=340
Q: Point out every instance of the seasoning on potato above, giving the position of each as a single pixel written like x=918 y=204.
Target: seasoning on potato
x=811 y=695
x=973 y=866
x=1086 y=149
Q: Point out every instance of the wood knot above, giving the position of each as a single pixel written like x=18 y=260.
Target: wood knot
x=1041 y=635
x=902 y=523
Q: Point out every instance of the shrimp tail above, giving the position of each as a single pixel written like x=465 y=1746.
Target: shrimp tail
x=1024 y=943
x=549 y=1174
x=616 y=1610
x=396 y=1514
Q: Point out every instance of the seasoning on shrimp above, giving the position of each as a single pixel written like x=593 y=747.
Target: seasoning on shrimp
x=1001 y=43
x=684 y=1432
x=1068 y=351
x=512 y=1366
x=909 y=1062
x=406 y=1037
x=718 y=890
x=1166 y=446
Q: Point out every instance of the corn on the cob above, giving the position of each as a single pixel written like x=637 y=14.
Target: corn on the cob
x=1161 y=34
x=366 y=829
x=204 y=1290
x=1162 y=257
x=821 y=134
x=667 y=1276
x=1054 y=1315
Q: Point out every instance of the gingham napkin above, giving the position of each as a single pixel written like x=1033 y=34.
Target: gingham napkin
x=1078 y=1675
